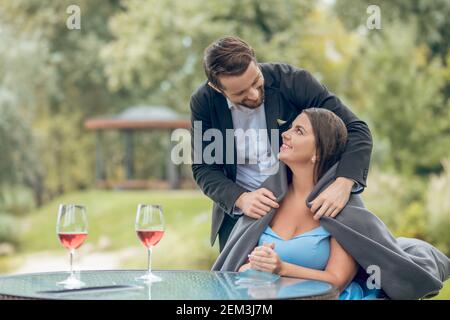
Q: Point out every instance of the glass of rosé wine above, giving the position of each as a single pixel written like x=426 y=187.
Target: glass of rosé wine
x=72 y=230
x=149 y=227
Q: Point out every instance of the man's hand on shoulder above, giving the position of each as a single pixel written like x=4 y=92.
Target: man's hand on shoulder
x=333 y=199
x=258 y=203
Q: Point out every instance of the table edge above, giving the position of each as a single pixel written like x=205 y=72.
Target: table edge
x=333 y=292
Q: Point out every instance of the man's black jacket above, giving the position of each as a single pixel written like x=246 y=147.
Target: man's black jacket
x=288 y=90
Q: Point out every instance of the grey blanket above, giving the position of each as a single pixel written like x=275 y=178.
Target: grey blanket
x=409 y=268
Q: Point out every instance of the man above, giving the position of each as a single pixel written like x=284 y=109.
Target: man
x=243 y=95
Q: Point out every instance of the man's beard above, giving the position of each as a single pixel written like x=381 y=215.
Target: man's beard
x=253 y=105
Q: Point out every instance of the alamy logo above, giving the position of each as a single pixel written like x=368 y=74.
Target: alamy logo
x=374 y=20
x=374 y=279
x=238 y=146
x=73 y=22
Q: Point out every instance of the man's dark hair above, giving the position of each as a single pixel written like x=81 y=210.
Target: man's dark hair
x=228 y=56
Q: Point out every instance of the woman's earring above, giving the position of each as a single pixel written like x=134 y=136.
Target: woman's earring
x=313 y=159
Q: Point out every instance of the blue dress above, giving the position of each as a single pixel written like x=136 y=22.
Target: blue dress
x=312 y=250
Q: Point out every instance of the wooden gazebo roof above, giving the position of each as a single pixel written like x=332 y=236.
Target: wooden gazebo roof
x=141 y=117
x=130 y=120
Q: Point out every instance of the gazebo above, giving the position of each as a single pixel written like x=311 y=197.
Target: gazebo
x=128 y=122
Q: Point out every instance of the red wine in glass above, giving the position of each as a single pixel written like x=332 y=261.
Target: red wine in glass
x=72 y=240
x=150 y=238
x=72 y=230
x=149 y=227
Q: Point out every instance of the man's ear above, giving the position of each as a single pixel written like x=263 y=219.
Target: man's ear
x=214 y=87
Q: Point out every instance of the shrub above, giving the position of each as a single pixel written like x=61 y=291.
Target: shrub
x=398 y=201
x=8 y=229
x=412 y=223
x=17 y=201
x=438 y=208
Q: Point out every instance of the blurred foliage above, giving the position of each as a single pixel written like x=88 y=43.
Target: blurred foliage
x=8 y=229
x=55 y=80
x=148 y=163
x=17 y=201
x=401 y=94
x=398 y=201
x=150 y=154
x=23 y=89
x=430 y=17
x=412 y=223
x=438 y=208
x=158 y=45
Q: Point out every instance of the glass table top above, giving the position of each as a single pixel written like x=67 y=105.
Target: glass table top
x=175 y=285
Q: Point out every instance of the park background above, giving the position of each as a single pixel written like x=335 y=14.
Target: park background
x=132 y=52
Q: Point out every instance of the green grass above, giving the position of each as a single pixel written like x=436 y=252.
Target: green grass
x=112 y=214
x=445 y=292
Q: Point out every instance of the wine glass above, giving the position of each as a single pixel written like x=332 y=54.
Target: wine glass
x=72 y=230
x=149 y=227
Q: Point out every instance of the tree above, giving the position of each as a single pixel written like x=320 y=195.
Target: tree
x=430 y=18
x=60 y=82
x=24 y=87
x=158 y=45
x=402 y=95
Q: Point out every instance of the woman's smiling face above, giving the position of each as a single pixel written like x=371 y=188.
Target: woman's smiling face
x=299 y=145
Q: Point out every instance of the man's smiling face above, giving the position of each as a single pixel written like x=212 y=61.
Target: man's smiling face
x=247 y=89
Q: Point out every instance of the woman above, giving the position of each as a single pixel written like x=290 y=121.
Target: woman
x=294 y=244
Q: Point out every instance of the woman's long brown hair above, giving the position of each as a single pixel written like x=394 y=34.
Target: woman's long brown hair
x=330 y=134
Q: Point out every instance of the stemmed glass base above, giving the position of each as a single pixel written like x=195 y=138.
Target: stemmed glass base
x=72 y=282
x=149 y=277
